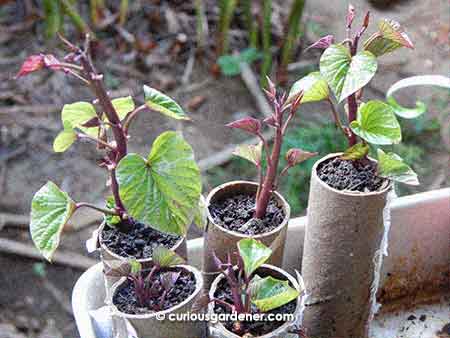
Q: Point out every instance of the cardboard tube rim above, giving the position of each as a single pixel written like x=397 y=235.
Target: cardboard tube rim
x=198 y=287
x=285 y=205
x=280 y=329
x=123 y=258
x=346 y=192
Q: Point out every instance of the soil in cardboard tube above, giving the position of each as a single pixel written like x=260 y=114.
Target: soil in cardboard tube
x=138 y=242
x=350 y=175
x=236 y=214
x=125 y=298
x=255 y=328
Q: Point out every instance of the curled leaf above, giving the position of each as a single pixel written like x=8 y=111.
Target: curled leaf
x=356 y=152
x=296 y=156
x=250 y=152
x=32 y=64
x=322 y=43
x=392 y=166
x=248 y=124
x=390 y=37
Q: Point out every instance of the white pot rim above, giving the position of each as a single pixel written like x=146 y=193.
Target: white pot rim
x=285 y=205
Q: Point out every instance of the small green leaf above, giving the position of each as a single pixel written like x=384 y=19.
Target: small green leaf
x=314 y=88
x=271 y=293
x=421 y=80
x=229 y=65
x=250 y=152
x=376 y=123
x=51 y=208
x=162 y=103
x=250 y=55
x=389 y=38
x=162 y=191
x=64 y=140
x=111 y=219
x=135 y=266
x=74 y=115
x=346 y=74
x=254 y=253
x=52 y=17
x=356 y=152
x=391 y=166
x=165 y=257
x=123 y=105
x=201 y=214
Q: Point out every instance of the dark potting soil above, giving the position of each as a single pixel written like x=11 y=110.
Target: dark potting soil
x=351 y=175
x=138 y=242
x=236 y=214
x=126 y=301
x=255 y=328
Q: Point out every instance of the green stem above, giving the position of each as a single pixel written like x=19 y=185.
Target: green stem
x=250 y=23
x=94 y=207
x=226 y=14
x=77 y=20
x=292 y=31
x=266 y=41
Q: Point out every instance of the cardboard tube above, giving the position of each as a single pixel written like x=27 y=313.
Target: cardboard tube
x=218 y=330
x=153 y=326
x=343 y=235
x=222 y=241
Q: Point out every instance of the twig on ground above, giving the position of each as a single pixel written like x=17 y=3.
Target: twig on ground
x=253 y=86
x=72 y=259
x=188 y=70
x=41 y=109
x=20 y=221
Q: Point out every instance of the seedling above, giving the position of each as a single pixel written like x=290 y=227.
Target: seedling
x=347 y=70
x=157 y=284
x=248 y=289
x=283 y=112
x=161 y=191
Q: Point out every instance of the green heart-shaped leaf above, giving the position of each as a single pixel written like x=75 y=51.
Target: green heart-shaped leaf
x=271 y=293
x=356 y=152
x=162 y=191
x=64 y=140
x=346 y=74
x=314 y=88
x=51 y=208
x=390 y=37
x=74 y=115
x=376 y=123
x=123 y=105
x=391 y=166
x=162 y=103
x=254 y=253
x=165 y=257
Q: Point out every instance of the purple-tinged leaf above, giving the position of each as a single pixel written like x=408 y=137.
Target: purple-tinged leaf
x=350 y=15
x=295 y=156
x=169 y=279
x=32 y=64
x=217 y=262
x=366 y=20
x=248 y=124
x=322 y=43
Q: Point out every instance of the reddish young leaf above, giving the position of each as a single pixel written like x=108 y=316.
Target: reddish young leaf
x=350 y=15
x=322 y=43
x=32 y=64
x=52 y=62
x=248 y=124
x=295 y=156
x=270 y=121
x=366 y=20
